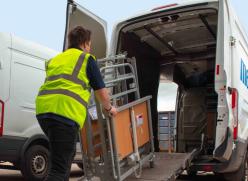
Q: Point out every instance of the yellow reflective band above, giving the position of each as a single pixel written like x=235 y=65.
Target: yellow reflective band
x=74 y=77
x=64 y=92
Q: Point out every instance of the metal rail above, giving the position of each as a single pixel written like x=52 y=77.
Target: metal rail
x=120 y=76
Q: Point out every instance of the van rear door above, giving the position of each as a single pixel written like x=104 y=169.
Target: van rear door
x=77 y=15
x=223 y=81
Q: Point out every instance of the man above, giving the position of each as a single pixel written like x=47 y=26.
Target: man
x=61 y=105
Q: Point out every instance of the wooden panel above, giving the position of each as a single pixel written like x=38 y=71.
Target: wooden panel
x=122 y=123
x=96 y=138
x=124 y=131
x=143 y=135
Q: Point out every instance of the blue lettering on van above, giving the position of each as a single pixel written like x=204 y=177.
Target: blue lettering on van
x=243 y=73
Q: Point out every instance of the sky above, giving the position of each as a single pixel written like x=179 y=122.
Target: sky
x=43 y=21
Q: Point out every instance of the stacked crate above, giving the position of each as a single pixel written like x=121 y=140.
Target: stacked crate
x=166 y=129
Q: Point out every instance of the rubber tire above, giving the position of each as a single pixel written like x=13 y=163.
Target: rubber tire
x=26 y=166
x=239 y=175
x=191 y=174
x=151 y=164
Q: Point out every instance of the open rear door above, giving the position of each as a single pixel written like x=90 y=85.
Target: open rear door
x=77 y=15
x=223 y=80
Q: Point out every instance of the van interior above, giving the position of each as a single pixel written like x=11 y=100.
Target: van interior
x=179 y=47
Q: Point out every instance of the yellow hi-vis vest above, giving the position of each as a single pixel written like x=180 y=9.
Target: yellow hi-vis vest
x=66 y=91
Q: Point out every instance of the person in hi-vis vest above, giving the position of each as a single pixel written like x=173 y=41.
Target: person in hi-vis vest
x=62 y=100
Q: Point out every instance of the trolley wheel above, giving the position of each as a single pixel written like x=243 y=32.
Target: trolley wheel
x=152 y=164
x=81 y=166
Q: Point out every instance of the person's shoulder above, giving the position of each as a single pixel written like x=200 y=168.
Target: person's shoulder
x=91 y=57
x=91 y=62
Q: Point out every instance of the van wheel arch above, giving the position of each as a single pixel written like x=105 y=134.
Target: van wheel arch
x=34 y=140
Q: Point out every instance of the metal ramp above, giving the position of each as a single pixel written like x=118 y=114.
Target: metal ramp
x=167 y=167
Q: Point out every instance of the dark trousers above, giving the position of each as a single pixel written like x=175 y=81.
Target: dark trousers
x=62 y=142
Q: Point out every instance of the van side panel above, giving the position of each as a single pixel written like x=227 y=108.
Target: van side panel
x=240 y=77
x=223 y=141
x=236 y=62
x=21 y=75
x=9 y=145
x=27 y=75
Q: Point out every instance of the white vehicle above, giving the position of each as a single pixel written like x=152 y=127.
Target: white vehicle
x=22 y=71
x=199 y=45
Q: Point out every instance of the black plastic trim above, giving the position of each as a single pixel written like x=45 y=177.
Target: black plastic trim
x=69 y=2
x=30 y=141
x=221 y=149
x=10 y=147
x=238 y=155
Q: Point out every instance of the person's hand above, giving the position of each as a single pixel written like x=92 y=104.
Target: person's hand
x=113 y=112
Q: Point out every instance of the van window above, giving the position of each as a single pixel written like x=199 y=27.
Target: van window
x=167 y=93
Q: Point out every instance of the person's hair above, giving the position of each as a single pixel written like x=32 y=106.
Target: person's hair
x=78 y=36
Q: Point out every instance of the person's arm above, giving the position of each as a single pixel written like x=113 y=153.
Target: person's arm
x=96 y=82
x=103 y=97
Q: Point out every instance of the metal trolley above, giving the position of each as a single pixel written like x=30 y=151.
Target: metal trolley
x=113 y=148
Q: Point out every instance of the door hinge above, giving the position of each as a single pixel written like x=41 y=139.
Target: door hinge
x=72 y=7
x=232 y=41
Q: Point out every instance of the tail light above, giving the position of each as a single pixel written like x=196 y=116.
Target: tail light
x=207 y=168
x=1 y=117
x=164 y=7
x=234 y=95
x=217 y=69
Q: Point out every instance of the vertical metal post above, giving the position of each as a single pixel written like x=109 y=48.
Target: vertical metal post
x=133 y=63
x=89 y=134
x=87 y=165
x=169 y=132
x=84 y=160
x=135 y=141
x=116 y=155
x=111 y=149
x=150 y=125
x=106 y=175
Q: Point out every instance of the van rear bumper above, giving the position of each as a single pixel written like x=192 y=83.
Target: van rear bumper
x=238 y=155
x=10 y=148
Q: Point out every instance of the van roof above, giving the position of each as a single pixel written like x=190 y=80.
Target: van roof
x=26 y=46
x=175 y=5
x=118 y=25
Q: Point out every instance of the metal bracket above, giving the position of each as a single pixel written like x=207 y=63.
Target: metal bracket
x=232 y=41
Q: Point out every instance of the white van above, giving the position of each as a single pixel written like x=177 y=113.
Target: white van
x=202 y=47
x=21 y=73
x=199 y=45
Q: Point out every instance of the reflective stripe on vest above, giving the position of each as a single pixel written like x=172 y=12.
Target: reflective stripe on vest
x=74 y=77
x=64 y=92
